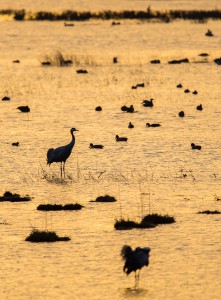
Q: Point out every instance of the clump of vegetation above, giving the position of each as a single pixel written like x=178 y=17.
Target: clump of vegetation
x=57 y=59
x=56 y=207
x=8 y=196
x=210 y=212
x=38 y=236
x=157 y=219
x=105 y=198
x=123 y=224
x=149 y=221
x=149 y=14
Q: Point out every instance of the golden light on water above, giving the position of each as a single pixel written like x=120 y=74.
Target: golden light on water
x=155 y=171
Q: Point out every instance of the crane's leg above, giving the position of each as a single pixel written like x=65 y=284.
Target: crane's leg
x=138 y=277
x=61 y=169
x=135 y=284
x=64 y=169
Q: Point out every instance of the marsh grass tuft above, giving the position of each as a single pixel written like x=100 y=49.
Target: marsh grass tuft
x=37 y=236
x=105 y=198
x=8 y=196
x=157 y=219
x=123 y=224
x=148 y=221
x=210 y=212
x=57 y=207
x=57 y=59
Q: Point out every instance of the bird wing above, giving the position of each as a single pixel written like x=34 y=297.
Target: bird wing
x=62 y=153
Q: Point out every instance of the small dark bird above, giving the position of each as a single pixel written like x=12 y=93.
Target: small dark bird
x=124 y=108
x=135 y=260
x=81 y=71
x=68 y=62
x=140 y=85
x=148 y=103
x=46 y=63
x=130 y=109
x=98 y=108
x=17 y=61
x=115 y=60
x=203 y=54
x=134 y=87
x=195 y=92
x=62 y=153
x=179 y=86
x=6 y=98
x=92 y=146
x=195 y=147
x=152 y=125
x=130 y=125
x=209 y=33
x=68 y=24
x=181 y=114
x=120 y=139
x=186 y=91
x=199 y=107
x=24 y=109
x=115 y=23
x=155 y=61
x=15 y=144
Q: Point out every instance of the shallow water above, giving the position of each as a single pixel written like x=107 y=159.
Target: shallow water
x=146 y=174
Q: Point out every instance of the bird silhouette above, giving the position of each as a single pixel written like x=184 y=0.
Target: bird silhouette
x=148 y=103
x=130 y=125
x=120 y=139
x=24 y=109
x=92 y=146
x=135 y=260
x=62 y=153
x=195 y=147
x=152 y=125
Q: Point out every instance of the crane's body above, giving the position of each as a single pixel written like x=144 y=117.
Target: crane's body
x=135 y=260
x=61 y=153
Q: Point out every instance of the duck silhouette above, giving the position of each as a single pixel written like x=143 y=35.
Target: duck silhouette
x=120 y=139
x=92 y=146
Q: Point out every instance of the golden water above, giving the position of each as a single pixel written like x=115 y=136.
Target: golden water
x=145 y=174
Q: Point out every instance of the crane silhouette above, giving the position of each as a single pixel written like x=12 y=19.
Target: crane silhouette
x=135 y=260
x=62 y=153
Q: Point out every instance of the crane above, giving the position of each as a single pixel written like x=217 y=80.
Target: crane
x=62 y=153
x=135 y=260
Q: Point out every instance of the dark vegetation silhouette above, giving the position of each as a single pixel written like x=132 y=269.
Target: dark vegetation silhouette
x=149 y=14
x=210 y=212
x=57 y=207
x=105 y=198
x=8 y=196
x=37 y=236
x=148 y=221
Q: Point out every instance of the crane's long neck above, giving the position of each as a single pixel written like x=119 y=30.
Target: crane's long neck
x=73 y=140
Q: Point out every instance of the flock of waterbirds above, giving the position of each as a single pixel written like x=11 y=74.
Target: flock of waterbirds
x=138 y=258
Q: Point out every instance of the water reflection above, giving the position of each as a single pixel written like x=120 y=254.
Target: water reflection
x=134 y=292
